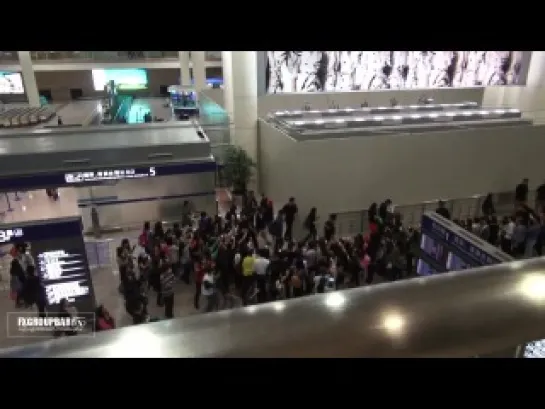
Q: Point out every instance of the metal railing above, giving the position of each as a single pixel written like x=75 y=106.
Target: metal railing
x=101 y=56
x=485 y=312
x=9 y=56
x=353 y=222
x=104 y=56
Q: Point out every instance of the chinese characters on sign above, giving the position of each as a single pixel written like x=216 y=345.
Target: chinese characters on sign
x=107 y=175
x=8 y=234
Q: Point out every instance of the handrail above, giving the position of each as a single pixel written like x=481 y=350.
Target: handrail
x=355 y=221
x=460 y=314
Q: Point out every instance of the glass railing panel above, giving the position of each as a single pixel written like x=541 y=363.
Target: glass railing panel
x=211 y=113
x=411 y=214
x=102 y=55
x=213 y=55
x=9 y=56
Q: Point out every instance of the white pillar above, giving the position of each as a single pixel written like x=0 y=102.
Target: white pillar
x=185 y=72
x=227 y=68
x=199 y=69
x=29 y=78
x=243 y=86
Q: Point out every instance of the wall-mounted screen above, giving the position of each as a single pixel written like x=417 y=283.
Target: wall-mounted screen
x=333 y=71
x=11 y=83
x=125 y=78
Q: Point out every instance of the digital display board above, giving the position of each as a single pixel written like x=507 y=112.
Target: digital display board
x=11 y=83
x=447 y=247
x=98 y=175
x=58 y=250
x=124 y=78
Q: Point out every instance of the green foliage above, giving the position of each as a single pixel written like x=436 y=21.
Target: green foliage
x=238 y=168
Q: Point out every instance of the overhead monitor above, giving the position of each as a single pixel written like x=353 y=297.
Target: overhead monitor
x=125 y=79
x=11 y=83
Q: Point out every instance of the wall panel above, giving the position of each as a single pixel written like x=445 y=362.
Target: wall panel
x=338 y=175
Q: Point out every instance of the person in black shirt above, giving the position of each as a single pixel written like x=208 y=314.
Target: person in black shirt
x=289 y=210
x=310 y=225
x=493 y=231
x=329 y=227
x=540 y=198
x=383 y=210
x=487 y=207
x=372 y=212
x=521 y=192
x=442 y=210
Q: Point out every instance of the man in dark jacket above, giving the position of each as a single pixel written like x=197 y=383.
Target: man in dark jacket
x=442 y=210
x=289 y=210
x=521 y=192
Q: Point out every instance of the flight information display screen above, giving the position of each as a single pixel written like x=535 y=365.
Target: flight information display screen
x=58 y=250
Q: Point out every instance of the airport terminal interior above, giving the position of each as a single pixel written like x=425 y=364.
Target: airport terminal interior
x=277 y=185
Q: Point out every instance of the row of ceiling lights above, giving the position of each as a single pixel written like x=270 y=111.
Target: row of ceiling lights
x=399 y=108
x=434 y=115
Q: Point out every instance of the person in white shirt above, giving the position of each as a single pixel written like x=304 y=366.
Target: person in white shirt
x=208 y=291
x=507 y=230
x=261 y=268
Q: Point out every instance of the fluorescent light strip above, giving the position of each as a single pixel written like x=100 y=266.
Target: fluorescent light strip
x=397 y=108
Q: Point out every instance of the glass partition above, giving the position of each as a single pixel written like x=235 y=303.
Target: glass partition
x=101 y=55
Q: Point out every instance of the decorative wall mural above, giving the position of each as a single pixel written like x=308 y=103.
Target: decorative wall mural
x=314 y=71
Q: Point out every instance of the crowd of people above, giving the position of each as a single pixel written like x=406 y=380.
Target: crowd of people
x=520 y=233
x=250 y=254
x=253 y=256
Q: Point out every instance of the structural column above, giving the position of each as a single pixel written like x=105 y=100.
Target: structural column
x=227 y=69
x=185 y=72
x=199 y=69
x=29 y=78
x=242 y=91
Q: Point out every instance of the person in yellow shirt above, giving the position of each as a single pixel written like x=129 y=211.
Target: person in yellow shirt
x=248 y=274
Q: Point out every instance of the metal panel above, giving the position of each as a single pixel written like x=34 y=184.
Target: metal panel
x=104 y=147
x=460 y=314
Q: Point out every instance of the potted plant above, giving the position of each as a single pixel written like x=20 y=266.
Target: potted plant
x=238 y=169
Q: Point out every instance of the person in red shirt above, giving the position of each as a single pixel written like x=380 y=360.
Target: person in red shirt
x=104 y=320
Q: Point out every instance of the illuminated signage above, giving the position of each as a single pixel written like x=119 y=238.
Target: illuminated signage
x=58 y=248
x=9 y=234
x=63 y=275
x=106 y=175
